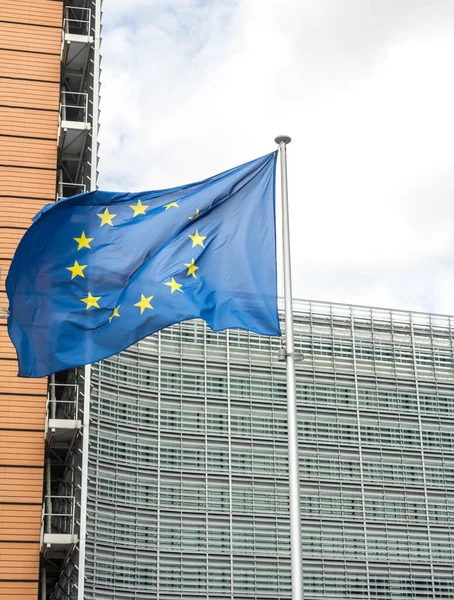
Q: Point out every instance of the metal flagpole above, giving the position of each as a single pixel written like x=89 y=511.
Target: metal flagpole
x=292 y=423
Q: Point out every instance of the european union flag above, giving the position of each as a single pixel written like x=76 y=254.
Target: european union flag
x=99 y=271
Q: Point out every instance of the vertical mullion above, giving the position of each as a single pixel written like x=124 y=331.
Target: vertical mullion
x=207 y=481
x=423 y=460
x=229 y=438
x=360 y=449
x=158 y=486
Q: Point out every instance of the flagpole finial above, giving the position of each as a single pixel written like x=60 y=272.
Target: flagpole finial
x=283 y=138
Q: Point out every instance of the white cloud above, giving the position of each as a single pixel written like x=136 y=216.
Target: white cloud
x=191 y=88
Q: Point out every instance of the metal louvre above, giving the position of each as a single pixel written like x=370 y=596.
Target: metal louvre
x=188 y=489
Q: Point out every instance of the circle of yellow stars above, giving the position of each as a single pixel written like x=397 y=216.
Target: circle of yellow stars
x=106 y=218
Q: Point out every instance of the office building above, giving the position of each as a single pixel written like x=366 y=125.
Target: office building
x=187 y=462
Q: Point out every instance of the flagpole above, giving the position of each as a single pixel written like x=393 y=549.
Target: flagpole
x=292 y=421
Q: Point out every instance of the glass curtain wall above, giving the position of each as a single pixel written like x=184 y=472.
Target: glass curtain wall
x=188 y=481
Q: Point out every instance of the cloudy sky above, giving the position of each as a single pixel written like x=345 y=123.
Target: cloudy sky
x=365 y=88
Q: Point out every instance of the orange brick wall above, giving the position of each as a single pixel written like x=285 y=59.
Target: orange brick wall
x=30 y=43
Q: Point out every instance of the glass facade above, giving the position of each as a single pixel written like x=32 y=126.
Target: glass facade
x=188 y=481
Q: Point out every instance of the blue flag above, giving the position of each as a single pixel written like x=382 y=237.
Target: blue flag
x=99 y=271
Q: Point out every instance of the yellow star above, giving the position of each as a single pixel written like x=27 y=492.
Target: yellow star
x=76 y=270
x=197 y=240
x=192 y=268
x=83 y=241
x=144 y=303
x=115 y=313
x=197 y=213
x=171 y=204
x=106 y=217
x=174 y=286
x=139 y=208
x=91 y=300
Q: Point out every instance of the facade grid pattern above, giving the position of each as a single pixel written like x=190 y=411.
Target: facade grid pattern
x=188 y=481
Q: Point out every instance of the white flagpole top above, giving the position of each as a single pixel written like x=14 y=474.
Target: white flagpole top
x=283 y=138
